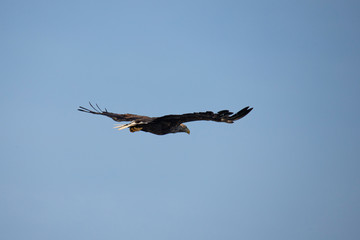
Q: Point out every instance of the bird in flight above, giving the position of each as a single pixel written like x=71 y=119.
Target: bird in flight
x=168 y=123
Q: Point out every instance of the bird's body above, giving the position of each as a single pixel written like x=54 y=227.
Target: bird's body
x=168 y=123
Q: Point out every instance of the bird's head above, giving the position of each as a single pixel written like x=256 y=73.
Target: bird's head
x=183 y=128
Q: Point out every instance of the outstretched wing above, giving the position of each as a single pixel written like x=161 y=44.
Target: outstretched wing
x=222 y=116
x=115 y=116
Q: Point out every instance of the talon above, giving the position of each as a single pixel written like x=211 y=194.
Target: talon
x=135 y=129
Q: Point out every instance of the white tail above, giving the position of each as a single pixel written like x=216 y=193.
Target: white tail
x=123 y=126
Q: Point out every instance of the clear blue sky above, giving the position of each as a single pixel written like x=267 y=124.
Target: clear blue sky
x=288 y=170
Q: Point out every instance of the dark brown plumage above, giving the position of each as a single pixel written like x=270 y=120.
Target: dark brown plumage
x=168 y=123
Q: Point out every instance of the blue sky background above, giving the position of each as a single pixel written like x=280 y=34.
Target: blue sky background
x=289 y=170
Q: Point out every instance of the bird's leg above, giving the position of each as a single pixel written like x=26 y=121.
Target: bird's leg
x=135 y=129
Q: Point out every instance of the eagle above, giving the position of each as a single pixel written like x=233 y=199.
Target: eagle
x=168 y=123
